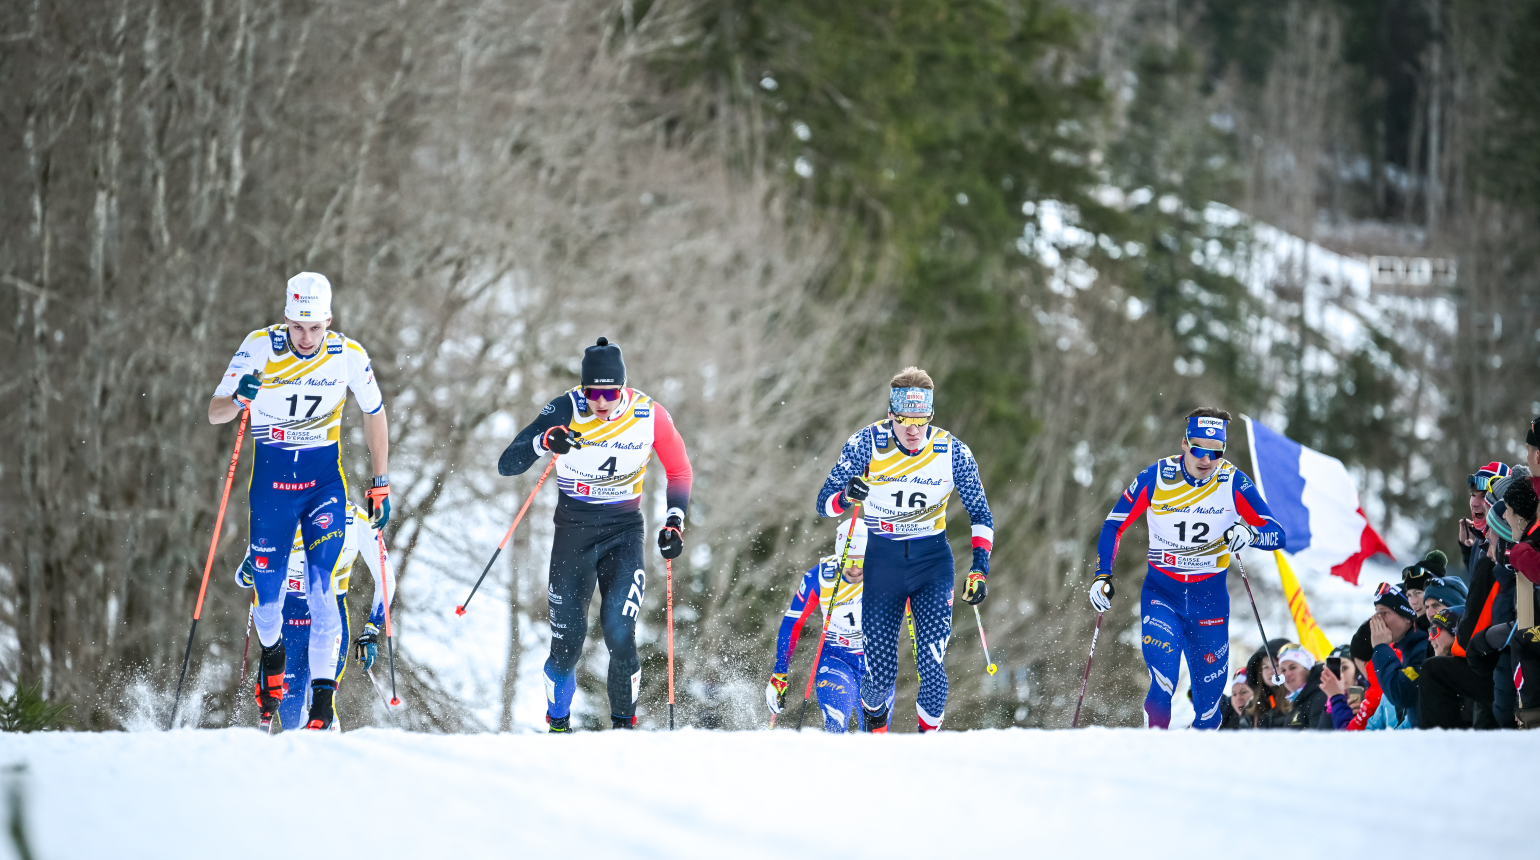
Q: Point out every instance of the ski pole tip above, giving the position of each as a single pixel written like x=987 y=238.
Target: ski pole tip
x=395 y=702
x=991 y=668
x=459 y=610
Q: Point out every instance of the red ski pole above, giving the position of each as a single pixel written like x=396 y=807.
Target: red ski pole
x=460 y=610
x=219 y=521
x=1075 y=723
x=828 y=613
x=390 y=648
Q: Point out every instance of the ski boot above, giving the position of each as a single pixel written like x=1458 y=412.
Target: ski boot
x=876 y=721
x=270 y=684
x=622 y=722
x=559 y=725
x=323 y=709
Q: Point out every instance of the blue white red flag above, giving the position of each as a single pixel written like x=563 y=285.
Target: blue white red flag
x=1315 y=500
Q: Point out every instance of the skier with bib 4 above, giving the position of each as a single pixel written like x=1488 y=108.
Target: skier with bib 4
x=604 y=434
x=295 y=378
x=358 y=533
x=1202 y=510
x=842 y=665
x=902 y=470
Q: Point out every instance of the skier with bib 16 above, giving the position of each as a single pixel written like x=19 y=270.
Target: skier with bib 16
x=295 y=377
x=902 y=470
x=604 y=434
x=1202 y=510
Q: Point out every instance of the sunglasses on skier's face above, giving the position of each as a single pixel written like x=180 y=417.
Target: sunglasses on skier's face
x=910 y=422
x=605 y=394
x=1204 y=453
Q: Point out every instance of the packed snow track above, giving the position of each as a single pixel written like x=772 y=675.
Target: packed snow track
x=234 y=793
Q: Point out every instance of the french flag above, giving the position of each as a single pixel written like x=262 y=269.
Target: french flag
x=1315 y=500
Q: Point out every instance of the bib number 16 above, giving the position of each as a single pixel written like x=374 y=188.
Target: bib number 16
x=916 y=500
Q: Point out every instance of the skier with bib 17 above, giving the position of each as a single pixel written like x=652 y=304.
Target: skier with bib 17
x=358 y=533
x=295 y=378
x=604 y=434
x=842 y=663
x=903 y=470
x=1201 y=511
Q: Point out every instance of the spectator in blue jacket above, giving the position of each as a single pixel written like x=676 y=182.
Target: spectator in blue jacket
x=1399 y=649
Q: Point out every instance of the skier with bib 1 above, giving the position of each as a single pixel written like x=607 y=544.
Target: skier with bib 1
x=295 y=377
x=603 y=434
x=358 y=533
x=842 y=664
x=902 y=470
x=1202 y=510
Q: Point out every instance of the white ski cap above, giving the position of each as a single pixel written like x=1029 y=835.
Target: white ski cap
x=309 y=298
x=858 y=545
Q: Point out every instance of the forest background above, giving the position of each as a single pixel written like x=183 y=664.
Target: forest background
x=772 y=207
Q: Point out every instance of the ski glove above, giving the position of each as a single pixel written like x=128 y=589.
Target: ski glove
x=560 y=439
x=669 y=541
x=246 y=389
x=366 y=648
x=856 y=490
x=1101 y=592
x=1240 y=536
x=775 y=692
x=246 y=575
x=378 y=499
x=976 y=589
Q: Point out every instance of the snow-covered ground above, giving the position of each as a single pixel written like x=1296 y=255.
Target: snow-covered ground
x=1016 y=793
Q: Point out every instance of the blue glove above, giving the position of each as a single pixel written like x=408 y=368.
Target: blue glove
x=366 y=648
x=981 y=560
x=245 y=575
x=246 y=389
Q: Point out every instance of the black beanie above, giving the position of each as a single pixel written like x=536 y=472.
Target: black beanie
x=1362 y=647
x=1396 y=602
x=1521 y=499
x=1421 y=574
x=602 y=364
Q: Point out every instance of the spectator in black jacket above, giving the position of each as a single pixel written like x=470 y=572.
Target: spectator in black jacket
x=1233 y=708
x=1473 y=531
x=1302 y=679
x=1523 y=509
x=1399 y=648
x=1270 y=707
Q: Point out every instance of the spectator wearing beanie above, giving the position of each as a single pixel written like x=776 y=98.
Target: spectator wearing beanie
x=1233 y=707
x=1302 y=679
x=1532 y=453
x=1473 y=531
x=1375 y=713
x=1416 y=578
x=1399 y=649
x=1523 y=505
x=1481 y=656
x=1448 y=592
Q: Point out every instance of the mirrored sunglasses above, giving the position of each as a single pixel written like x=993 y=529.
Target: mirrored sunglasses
x=602 y=393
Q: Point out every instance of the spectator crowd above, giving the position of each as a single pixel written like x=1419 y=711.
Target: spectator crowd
x=1444 y=648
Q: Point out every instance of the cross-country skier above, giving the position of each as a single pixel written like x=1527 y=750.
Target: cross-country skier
x=604 y=434
x=1202 y=510
x=842 y=665
x=903 y=470
x=294 y=377
x=358 y=534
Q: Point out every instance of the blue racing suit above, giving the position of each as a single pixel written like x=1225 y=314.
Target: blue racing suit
x=1185 y=604
x=842 y=665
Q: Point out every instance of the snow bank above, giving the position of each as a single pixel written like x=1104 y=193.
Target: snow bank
x=1014 y=792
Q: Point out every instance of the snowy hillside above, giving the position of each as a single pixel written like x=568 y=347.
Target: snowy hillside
x=1099 y=793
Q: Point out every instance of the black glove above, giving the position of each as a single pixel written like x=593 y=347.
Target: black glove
x=976 y=589
x=559 y=439
x=857 y=490
x=246 y=389
x=669 y=541
x=1491 y=640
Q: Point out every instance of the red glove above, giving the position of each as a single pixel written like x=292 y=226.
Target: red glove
x=1526 y=560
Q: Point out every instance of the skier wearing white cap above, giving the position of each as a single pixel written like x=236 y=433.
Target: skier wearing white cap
x=294 y=377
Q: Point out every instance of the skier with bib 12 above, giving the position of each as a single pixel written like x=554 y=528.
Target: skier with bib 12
x=604 y=434
x=902 y=470
x=295 y=378
x=1201 y=511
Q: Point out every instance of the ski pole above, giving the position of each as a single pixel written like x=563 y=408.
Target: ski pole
x=989 y=665
x=460 y=610
x=245 y=649
x=669 y=565
x=1075 y=723
x=1277 y=678
x=828 y=612
x=378 y=689
x=219 y=521
x=390 y=647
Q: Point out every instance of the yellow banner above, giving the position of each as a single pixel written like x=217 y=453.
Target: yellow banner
x=1310 y=634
